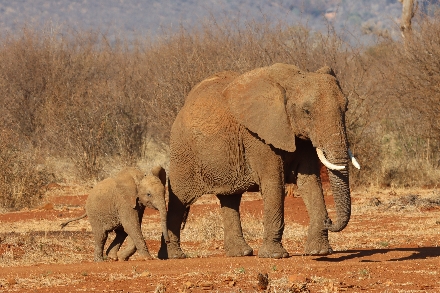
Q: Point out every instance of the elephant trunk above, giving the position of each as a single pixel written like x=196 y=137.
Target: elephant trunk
x=334 y=153
x=339 y=181
x=163 y=221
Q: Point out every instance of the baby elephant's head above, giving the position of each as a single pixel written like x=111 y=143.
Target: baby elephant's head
x=151 y=192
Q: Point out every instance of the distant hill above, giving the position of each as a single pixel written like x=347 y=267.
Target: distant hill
x=129 y=17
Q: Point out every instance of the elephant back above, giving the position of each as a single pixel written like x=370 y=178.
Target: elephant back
x=210 y=86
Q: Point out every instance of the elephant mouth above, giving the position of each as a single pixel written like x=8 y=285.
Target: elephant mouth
x=332 y=166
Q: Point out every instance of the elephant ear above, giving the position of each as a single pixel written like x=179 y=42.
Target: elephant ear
x=126 y=186
x=160 y=172
x=129 y=192
x=259 y=103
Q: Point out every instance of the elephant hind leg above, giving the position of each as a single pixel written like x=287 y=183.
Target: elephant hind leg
x=100 y=239
x=112 y=250
x=234 y=242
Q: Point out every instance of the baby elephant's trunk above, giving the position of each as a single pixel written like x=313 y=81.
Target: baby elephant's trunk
x=163 y=220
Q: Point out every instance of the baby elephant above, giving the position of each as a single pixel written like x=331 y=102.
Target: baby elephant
x=118 y=204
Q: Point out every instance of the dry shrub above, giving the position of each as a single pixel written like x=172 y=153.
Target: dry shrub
x=405 y=135
x=74 y=96
x=21 y=180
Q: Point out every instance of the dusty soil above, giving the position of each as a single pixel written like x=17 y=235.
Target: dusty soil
x=390 y=245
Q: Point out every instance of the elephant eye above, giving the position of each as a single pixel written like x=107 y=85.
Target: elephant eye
x=307 y=111
x=149 y=194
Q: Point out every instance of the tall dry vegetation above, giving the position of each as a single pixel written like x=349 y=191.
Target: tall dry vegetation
x=78 y=96
x=407 y=79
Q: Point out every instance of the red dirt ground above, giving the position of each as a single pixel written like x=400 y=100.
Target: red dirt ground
x=410 y=266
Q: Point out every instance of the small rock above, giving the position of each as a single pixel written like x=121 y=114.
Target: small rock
x=300 y=288
x=188 y=285
x=206 y=285
x=160 y=288
x=145 y=274
x=11 y=281
x=263 y=281
x=231 y=283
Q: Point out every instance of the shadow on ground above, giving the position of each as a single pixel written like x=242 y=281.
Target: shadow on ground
x=418 y=253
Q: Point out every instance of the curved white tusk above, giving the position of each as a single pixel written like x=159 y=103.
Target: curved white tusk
x=353 y=159
x=326 y=162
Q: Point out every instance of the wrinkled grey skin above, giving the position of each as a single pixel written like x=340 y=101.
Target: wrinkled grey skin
x=254 y=131
x=118 y=204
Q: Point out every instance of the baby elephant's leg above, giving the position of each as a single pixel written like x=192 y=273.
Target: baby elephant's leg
x=112 y=250
x=128 y=251
x=133 y=228
x=100 y=239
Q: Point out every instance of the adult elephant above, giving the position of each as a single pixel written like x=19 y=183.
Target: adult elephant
x=238 y=133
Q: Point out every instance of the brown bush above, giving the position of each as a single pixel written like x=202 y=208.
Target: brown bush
x=407 y=128
x=21 y=179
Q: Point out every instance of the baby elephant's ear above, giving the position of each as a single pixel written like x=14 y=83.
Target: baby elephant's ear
x=132 y=200
x=128 y=191
x=160 y=172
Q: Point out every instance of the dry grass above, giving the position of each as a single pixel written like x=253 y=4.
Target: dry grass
x=21 y=177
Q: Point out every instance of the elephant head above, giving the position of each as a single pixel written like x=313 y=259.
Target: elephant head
x=281 y=102
x=151 y=193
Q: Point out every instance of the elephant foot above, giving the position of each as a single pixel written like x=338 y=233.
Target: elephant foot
x=272 y=250
x=239 y=250
x=112 y=255
x=129 y=251
x=145 y=256
x=170 y=251
x=125 y=255
x=324 y=251
x=98 y=259
x=318 y=248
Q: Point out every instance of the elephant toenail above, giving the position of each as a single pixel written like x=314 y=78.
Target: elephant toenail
x=247 y=252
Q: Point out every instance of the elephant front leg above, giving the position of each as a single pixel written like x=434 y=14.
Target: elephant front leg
x=309 y=188
x=128 y=251
x=176 y=218
x=132 y=227
x=273 y=198
x=234 y=242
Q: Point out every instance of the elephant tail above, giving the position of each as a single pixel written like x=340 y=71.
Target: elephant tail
x=64 y=224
